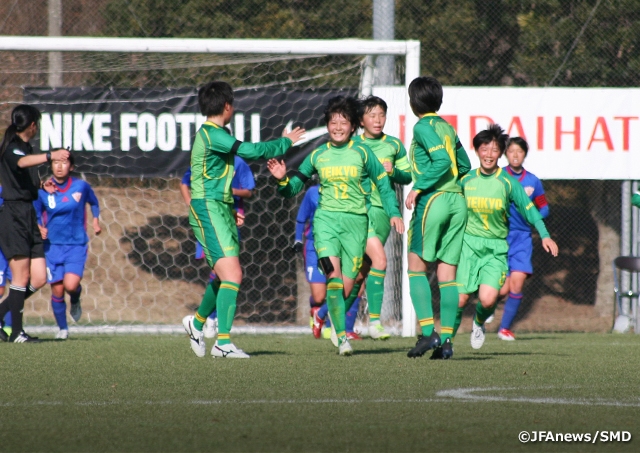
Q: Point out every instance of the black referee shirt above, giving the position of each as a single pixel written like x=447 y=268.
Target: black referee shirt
x=18 y=184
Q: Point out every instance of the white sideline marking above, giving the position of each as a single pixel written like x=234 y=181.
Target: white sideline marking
x=468 y=395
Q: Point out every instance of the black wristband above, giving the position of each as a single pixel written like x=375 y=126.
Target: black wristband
x=48 y=156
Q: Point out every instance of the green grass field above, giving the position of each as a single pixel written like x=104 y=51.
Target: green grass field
x=150 y=393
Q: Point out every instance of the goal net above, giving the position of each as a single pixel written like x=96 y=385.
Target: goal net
x=127 y=108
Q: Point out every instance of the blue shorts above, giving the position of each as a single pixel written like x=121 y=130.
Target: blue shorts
x=520 y=251
x=64 y=259
x=199 y=251
x=311 y=264
x=5 y=272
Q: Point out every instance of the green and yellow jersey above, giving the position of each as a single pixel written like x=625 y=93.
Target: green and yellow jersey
x=346 y=173
x=488 y=200
x=438 y=159
x=388 y=149
x=212 y=160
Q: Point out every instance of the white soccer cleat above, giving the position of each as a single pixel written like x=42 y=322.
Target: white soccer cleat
x=228 y=351
x=345 y=349
x=196 y=337
x=477 y=336
x=377 y=332
x=490 y=319
x=334 y=335
x=63 y=334
x=76 y=311
x=210 y=328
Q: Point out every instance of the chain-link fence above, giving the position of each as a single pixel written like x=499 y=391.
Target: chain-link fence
x=143 y=270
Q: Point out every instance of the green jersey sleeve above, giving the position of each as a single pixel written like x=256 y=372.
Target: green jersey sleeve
x=525 y=207
x=264 y=150
x=635 y=199
x=401 y=173
x=290 y=187
x=380 y=178
x=464 y=164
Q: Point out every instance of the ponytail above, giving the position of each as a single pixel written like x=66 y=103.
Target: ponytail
x=21 y=118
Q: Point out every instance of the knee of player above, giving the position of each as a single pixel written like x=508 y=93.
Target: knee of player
x=462 y=300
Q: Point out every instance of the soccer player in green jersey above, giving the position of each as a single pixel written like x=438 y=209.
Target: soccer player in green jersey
x=211 y=213
x=438 y=160
x=489 y=192
x=393 y=157
x=346 y=170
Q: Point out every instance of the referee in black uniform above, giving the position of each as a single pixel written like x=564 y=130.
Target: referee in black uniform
x=20 y=238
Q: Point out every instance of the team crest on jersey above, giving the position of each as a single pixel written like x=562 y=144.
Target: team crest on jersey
x=529 y=190
x=52 y=201
x=17 y=152
x=77 y=196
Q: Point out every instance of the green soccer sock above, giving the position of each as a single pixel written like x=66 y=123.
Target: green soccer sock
x=227 y=296
x=375 y=293
x=448 y=308
x=483 y=313
x=353 y=295
x=208 y=304
x=336 y=303
x=456 y=325
x=421 y=298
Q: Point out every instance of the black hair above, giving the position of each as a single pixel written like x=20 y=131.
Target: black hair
x=521 y=142
x=345 y=106
x=493 y=133
x=425 y=95
x=21 y=118
x=370 y=102
x=213 y=96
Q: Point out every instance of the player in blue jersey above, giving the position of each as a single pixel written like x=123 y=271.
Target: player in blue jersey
x=242 y=186
x=5 y=275
x=519 y=237
x=315 y=278
x=62 y=219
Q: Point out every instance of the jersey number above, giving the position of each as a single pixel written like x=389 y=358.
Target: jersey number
x=341 y=191
x=485 y=221
x=357 y=264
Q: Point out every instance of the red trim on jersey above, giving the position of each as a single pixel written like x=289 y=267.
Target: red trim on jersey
x=520 y=176
x=540 y=201
x=65 y=187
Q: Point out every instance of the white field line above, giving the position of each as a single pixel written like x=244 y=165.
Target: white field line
x=461 y=395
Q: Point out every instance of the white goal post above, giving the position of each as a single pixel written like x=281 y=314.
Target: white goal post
x=410 y=50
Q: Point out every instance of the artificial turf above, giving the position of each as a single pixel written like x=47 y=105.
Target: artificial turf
x=150 y=393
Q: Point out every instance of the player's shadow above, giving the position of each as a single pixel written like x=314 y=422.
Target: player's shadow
x=266 y=353
x=382 y=351
x=165 y=247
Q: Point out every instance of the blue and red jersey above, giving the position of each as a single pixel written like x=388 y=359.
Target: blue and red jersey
x=533 y=187
x=63 y=213
x=305 y=214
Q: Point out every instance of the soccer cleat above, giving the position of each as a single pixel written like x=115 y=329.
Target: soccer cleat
x=443 y=352
x=23 y=337
x=210 y=328
x=4 y=336
x=76 y=311
x=228 y=351
x=317 y=323
x=506 y=335
x=490 y=319
x=424 y=344
x=477 y=336
x=345 y=348
x=196 y=336
x=377 y=332
x=62 y=334
x=353 y=336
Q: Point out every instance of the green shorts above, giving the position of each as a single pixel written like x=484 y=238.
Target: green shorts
x=437 y=227
x=343 y=235
x=379 y=224
x=215 y=228
x=482 y=262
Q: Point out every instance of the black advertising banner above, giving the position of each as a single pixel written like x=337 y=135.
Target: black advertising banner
x=149 y=132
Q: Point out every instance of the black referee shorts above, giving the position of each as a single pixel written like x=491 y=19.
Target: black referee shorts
x=19 y=232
